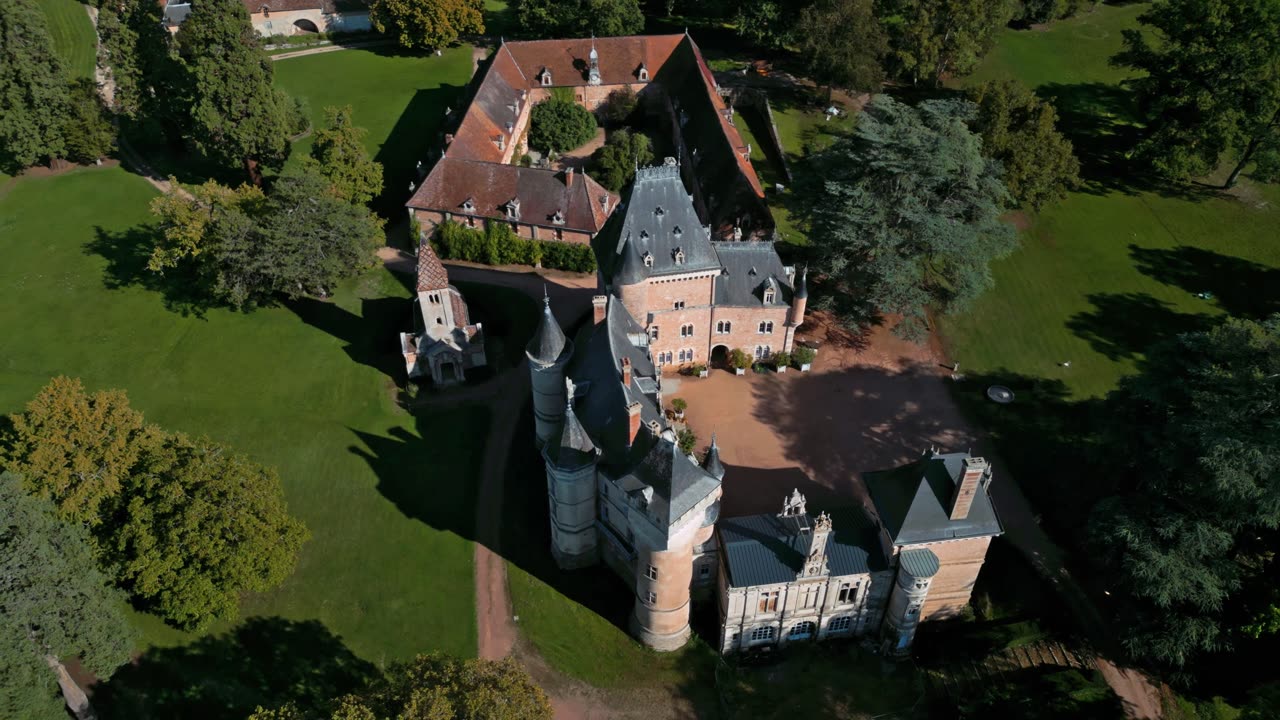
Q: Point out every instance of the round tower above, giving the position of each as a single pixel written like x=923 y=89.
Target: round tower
x=571 y=492
x=548 y=352
x=660 y=619
x=800 y=300
x=916 y=568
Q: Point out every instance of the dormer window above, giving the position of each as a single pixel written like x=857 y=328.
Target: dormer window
x=558 y=218
x=768 y=296
x=546 y=77
x=659 y=211
x=644 y=234
x=676 y=233
x=643 y=73
x=266 y=11
x=679 y=256
x=648 y=260
x=511 y=126
x=513 y=208
x=469 y=205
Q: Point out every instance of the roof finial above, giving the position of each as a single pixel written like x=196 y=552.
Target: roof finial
x=546 y=297
x=713 y=441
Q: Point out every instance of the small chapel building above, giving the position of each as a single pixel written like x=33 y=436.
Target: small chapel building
x=444 y=342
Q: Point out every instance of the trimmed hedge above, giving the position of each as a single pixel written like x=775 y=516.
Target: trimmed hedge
x=498 y=245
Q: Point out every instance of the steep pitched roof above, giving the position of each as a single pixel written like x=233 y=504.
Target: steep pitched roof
x=567 y=60
x=575 y=448
x=490 y=186
x=767 y=549
x=749 y=268
x=913 y=500
x=498 y=100
x=431 y=273
x=678 y=483
x=548 y=341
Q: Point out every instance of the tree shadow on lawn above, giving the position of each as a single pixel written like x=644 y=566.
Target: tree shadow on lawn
x=417 y=137
x=370 y=337
x=266 y=661
x=127 y=252
x=1122 y=326
x=1240 y=287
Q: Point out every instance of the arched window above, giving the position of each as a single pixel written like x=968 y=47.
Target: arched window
x=686 y=330
x=761 y=634
x=723 y=327
x=648 y=260
x=546 y=77
x=802 y=630
x=679 y=256
x=840 y=624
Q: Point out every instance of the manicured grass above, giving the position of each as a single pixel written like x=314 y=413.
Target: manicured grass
x=307 y=388
x=73 y=36
x=1118 y=265
x=399 y=98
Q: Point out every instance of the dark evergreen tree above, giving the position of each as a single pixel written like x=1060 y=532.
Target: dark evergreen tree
x=33 y=88
x=87 y=128
x=340 y=156
x=1020 y=130
x=909 y=213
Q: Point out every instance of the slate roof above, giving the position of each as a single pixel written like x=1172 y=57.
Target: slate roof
x=575 y=448
x=750 y=267
x=678 y=483
x=490 y=186
x=919 y=562
x=431 y=273
x=548 y=341
x=712 y=462
x=913 y=501
x=767 y=549
x=659 y=221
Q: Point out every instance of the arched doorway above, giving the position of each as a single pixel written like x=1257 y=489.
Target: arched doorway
x=720 y=356
x=305 y=26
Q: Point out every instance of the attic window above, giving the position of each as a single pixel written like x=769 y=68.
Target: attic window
x=513 y=208
x=511 y=126
x=644 y=234
x=558 y=218
x=546 y=77
x=676 y=233
x=469 y=205
x=659 y=211
x=648 y=260
x=643 y=73
x=752 y=271
x=679 y=256
x=768 y=296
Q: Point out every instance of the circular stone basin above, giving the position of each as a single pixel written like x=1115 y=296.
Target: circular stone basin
x=1000 y=394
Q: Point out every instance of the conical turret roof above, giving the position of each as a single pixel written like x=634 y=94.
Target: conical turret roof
x=548 y=342
x=575 y=447
x=712 y=462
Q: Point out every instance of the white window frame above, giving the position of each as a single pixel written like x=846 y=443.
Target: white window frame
x=651 y=572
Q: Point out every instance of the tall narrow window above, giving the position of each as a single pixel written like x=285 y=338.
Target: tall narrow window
x=650 y=598
x=678 y=305
x=768 y=296
x=651 y=573
x=769 y=601
x=686 y=330
x=653 y=332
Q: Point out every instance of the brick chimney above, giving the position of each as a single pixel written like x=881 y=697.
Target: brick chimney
x=626 y=373
x=633 y=422
x=598 y=305
x=568 y=177
x=971 y=475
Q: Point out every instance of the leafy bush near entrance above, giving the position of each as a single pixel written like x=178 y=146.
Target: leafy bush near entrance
x=739 y=360
x=803 y=355
x=781 y=359
x=497 y=244
x=557 y=126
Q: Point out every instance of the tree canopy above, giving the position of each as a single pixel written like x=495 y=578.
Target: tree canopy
x=33 y=88
x=55 y=606
x=1195 y=440
x=579 y=18
x=339 y=152
x=767 y=23
x=246 y=247
x=1210 y=89
x=615 y=163
x=196 y=526
x=558 y=125
x=908 y=213
x=74 y=448
x=931 y=39
x=842 y=42
x=427 y=24
x=1020 y=130
x=236 y=116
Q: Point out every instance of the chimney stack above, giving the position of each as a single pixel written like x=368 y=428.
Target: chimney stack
x=568 y=177
x=971 y=475
x=599 y=304
x=626 y=372
x=633 y=422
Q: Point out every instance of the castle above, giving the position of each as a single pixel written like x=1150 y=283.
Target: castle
x=621 y=492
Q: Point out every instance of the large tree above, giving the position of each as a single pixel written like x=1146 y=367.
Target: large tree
x=1211 y=83
x=616 y=161
x=768 y=23
x=33 y=88
x=236 y=116
x=557 y=125
x=1020 y=130
x=246 y=247
x=579 y=18
x=1195 y=441
x=87 y=129
x=341 y=158
x=842 y=43
x=932 y=39
x=196 y=526
x=908 y=212
x=427 y=24
x=55 y=606
x=74 y=448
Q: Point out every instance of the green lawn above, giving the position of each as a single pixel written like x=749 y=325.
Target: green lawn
x=73 y=36
x=399 y=98
x=389 y=497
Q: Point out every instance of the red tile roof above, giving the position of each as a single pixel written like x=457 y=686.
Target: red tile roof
x=490 y=186
x=431 y=273
x=620 y=58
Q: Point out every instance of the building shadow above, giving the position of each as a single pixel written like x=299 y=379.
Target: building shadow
x=370 y=337
x=1122 y=326
x=264 y=662
x=417 y=137
x=127 y=252
x=1240 y=287
x=752 y=491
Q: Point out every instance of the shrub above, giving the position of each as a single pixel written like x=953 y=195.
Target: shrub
x=781 y=359
x=616 y=161
x=697 y=369
x=685 y=440
x=556 y=125
x=803 y=355
x=739 y=359
x=679 y=405
x=499 y=245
